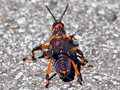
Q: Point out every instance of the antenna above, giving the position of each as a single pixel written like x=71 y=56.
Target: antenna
x=51 y=13
x=54 y=16
x=64 y=12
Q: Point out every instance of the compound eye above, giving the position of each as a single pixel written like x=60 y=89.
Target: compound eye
x=54 y=25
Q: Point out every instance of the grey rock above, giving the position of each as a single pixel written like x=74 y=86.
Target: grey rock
x=110 y=16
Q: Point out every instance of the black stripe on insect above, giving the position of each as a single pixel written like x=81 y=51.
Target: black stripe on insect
x=60 y=51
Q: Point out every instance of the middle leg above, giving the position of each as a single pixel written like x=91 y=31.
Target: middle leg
x=82 y=58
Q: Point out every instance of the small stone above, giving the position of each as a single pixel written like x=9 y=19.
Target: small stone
x=110 y=16
x=6 y=24
x=21 y=30
x=105 y=78
x=18 y=75
x=10 y=31
x=21 y=20
x=88 y=84
x=97 y=77
x=32 y=6
x=1 y=52
x=94 y=5
x=118 y=67
x=4 y=74
x=114 y=82
x=32 y=30
x=14 y=8
x=101 y=12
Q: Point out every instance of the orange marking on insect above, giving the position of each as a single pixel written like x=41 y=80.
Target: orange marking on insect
x=67 y=71
x=52 y=37
x=64 y=36
x=64 y=72
x=43 y=47
x=79 y=80
x=64 y=30
x=56 y=43
x=75 y=49
x=60 y=71
x=48 y=70
x=51 y=46
x=70 y=38
x=47 y=81
x=82 y=60
x=58 y=37
x=58 y=25
x=76 y=70
x=47 y=44
x=43 y=51
x=29 y=58
x=33 y=54
x=46 y=57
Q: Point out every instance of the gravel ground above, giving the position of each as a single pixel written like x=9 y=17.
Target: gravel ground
x=24 y=24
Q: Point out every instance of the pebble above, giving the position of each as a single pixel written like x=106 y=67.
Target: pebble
x=10 y=31
x=6 y=24
x=1 y=52
x=114 y=82
x=118 y=67
x=21 y=20
x=110 y=16
x=105 y=77
x=21 y=30
x=18 y=75
x=102 y=12
x=97 y=77
x=88 y=84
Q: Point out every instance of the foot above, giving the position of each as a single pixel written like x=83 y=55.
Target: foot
x=24 y=59
x=87 y=65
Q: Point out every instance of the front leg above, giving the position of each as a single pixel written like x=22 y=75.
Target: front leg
x=41 y=47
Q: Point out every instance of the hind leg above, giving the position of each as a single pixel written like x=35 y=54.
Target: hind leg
x=77 y=72
x=47 y=74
